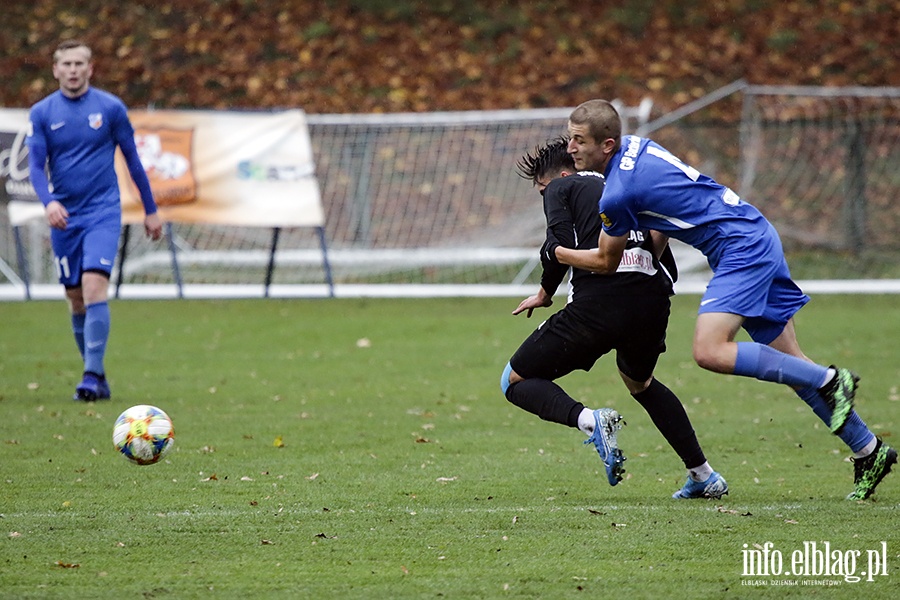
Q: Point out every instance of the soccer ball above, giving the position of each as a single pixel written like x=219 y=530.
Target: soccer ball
x=144 y=434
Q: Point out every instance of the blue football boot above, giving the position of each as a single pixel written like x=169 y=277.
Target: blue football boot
x=607 y=423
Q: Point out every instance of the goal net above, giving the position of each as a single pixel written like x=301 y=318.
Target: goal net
x=430 y=203
x=821 y=163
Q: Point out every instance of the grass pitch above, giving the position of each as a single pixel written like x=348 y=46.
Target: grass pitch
x=362 y=449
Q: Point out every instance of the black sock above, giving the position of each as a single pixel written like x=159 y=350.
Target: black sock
x=545 y=399
x=668 y=415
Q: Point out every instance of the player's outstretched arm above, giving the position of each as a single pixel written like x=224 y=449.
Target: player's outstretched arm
x=604 y=259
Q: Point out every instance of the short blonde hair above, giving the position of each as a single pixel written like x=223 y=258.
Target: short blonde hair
x=69 y=45
x=602 y=120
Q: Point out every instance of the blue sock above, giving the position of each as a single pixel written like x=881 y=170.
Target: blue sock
x=768 y=364
x=78 y=330
x=96 y=334
x=855 y=433
x=504 y=379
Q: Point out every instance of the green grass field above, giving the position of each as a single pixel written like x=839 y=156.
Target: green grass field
x=404 y=473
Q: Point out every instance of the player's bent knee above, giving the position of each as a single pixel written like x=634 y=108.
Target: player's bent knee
x=711 y=360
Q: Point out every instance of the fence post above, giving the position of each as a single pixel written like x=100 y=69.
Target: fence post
x=855 y=188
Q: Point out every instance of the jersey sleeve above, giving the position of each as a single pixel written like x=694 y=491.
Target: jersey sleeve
x=617 y=213
x=37 y=157
x=561 y=227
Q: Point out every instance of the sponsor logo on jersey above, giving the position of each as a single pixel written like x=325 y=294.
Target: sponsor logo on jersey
x=592 y=174
x=606 y=221
x=631 y=152
x=95 y=120
x=637 y=260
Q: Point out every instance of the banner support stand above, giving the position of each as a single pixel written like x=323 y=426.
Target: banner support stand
x=23 y=265
x=325 y=264
x=270 y=268
x=123 y=252
x=176 y=271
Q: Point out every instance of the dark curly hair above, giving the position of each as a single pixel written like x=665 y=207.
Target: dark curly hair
x=551 y=158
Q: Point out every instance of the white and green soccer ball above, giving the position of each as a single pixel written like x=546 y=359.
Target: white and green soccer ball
x=143 y=434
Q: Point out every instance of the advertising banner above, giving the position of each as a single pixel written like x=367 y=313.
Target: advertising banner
x=224 y=168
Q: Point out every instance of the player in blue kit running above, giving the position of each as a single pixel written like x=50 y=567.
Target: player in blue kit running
x=73 y=135
x=627 y=312
x=751 y=287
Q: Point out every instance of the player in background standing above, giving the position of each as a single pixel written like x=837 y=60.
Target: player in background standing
x=627 y=312
x=73 y=135
x=751 y=287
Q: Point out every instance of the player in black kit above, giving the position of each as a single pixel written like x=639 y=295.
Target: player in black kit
x=627 y=311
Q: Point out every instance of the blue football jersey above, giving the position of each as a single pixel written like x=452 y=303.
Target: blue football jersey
x=647 y=187
x=80 y=137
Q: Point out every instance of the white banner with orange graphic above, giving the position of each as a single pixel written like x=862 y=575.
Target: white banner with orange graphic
x=245 y=169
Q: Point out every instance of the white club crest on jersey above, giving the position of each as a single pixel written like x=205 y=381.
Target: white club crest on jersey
x=95 y=120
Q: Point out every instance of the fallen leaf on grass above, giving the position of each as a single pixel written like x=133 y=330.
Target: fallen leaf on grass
x=267 y=542
x=212 y=477
x=279 y=442
x=14 y=534
x=595 y=512
x=729 y=511
x=313 y=477
x=245 y=478
x=446 y=479
x=66 y=565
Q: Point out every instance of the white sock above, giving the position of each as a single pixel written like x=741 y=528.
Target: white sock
x=829 y=375
x=701 y=473
x=867 y=449
x=586 y=421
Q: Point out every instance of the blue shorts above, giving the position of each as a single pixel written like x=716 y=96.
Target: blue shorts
x=79 y=248
x=756 y=284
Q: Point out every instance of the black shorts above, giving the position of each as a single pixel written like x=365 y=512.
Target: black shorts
x=579 y=334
